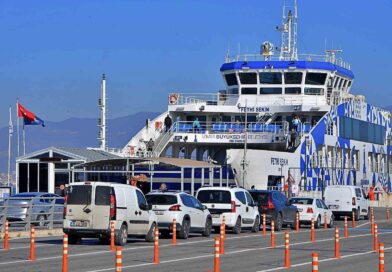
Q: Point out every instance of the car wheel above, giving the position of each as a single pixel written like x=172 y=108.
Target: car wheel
x=279 y=222
x=331 y=222
x=293 y=226
x=184 y=232
x=367 y=216
x=237 y=226
x=356 y=215
x=207 y=228
x=256 y=225
x=41 y=220
x=151 y=233
x=73 y=239
x=318 y=222
x=121 y=237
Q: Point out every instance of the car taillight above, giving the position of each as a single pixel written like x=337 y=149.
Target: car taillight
x=309 y=210
x=65 y=206
x=270 y=204
x=353 y=201
x=175 y=208
x=112 y=207
x=233 y=208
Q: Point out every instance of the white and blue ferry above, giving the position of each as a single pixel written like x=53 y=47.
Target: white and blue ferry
x=282 y=117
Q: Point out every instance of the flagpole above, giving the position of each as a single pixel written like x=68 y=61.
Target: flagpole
x=24 y=139
x=17 y=126
x=10 y=131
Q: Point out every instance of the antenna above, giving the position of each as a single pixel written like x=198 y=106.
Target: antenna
x=289 y=29
x=102 y=119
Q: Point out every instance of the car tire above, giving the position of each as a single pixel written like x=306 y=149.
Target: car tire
x=73 y=239
x=151 y=232
x=331 y=222
x=278 y=222
x=293 y=226
x=318 y=222
x=237 y=227
x=207 y=228
x=356 y=215
x=256 y=225
x=121 y=237
x=185 y=227
x=41 y=221
x=367 y=216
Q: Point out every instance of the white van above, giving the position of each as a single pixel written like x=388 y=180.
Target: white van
x=90 y=206
x=344 y=199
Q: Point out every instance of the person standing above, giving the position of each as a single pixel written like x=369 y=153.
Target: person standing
x=196 y=125
x=168 y=123
x=293 y=137
x=150 y=145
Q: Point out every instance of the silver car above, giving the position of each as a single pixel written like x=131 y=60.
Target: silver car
x=17 y=207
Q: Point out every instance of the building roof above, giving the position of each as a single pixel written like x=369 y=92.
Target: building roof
x=82 y=154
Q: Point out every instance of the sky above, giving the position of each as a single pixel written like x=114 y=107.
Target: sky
x=53 y=53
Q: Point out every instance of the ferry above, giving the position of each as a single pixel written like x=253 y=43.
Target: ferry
x=283 y=118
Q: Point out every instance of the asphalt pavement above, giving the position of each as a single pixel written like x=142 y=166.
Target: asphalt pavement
x=244 y=252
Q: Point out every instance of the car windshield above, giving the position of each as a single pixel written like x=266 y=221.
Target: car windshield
x=161 y=199
x=260 y=197
x=214 y=196
x=301 y=201
x=79 y=195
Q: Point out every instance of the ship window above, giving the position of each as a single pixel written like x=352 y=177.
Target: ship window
x=315 y=78
x=341 y=83
x=293 y=78
x=270 y=78
x=294 y=90
x=361 y=131
x=336 y=82
x=233 y=91
x=231 y=79
x=249 y=90
x=248 y=78
x=270 y=90
x=314 y=91
x=349 y=84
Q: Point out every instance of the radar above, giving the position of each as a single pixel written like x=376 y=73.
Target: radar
x=267 y=49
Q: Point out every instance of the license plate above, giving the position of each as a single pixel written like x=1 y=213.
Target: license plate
x=334 y=207
x=158 y=212
x=300 y=209
x=79 y=224
x=215 y=215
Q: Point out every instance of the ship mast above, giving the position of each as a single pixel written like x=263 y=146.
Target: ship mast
x=289 y=29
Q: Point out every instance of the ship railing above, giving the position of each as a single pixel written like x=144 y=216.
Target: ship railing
x=229 y=127
x=214 y=99
x=301 y=57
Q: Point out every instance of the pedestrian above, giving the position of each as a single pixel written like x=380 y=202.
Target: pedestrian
x=147 y=123
x=293 y=137
x=150 y=145
x=196 y=125
x=296 y=122
x=168 y=123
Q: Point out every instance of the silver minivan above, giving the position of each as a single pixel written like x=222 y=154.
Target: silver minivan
x=90 y=206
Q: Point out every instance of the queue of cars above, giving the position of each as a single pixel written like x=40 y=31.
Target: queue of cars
x=90 y=206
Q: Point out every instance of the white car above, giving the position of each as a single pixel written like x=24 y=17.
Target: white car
x=91 y=206
x=343 y=200
x=190 y=214
x=234 y=203
x=315 y=208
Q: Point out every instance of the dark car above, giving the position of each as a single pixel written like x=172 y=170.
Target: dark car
x=276 y=207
